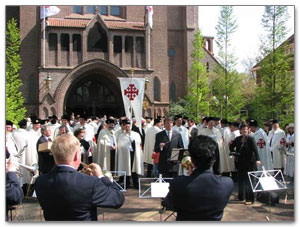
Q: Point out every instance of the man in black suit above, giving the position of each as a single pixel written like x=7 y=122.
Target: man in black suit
x=202 y=196
x=67 y=195
x=165 y=141
x=45 y=159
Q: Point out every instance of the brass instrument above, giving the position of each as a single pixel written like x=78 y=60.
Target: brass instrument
x=87 y=170
x=186 y=162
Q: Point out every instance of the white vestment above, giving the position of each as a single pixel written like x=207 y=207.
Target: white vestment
x=184 y=132
x=106 y=139
x=276 y=139
x=227 y=137
x=124 y=145
x=263 y=148
x=29 y=156
x=53 y=128
x=149 y=143
x=147 y=126
x=290 y=159
x=216 y=135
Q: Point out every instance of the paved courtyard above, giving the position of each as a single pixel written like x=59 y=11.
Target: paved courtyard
x=147 y=210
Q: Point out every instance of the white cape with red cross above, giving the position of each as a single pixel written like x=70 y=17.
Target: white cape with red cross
x=132 y=90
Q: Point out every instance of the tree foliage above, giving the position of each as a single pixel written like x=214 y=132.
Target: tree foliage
x=198 y=86
x=14 y=99
x=226 y=88
x=275 y=91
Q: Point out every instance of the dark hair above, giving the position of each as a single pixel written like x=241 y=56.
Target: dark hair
x=78 y=131
x=203 y=151
x=243 y=125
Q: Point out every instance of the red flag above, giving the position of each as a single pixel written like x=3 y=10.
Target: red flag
x=47 y=11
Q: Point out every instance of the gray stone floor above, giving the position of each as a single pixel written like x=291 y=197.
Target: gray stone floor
x=147 y=210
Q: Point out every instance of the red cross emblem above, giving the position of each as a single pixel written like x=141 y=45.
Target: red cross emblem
x=131 y=92
x=282 y=141
x=261 y=143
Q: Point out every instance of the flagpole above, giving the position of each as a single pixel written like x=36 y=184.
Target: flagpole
x=44 y=39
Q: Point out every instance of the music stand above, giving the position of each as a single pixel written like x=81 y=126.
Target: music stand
x=266 y=181
x=119 y=173
x=157 y=190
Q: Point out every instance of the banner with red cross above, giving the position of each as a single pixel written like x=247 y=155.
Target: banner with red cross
x=132 y=90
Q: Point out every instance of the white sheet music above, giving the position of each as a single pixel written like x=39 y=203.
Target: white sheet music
x=159 y=190
x=268 y=183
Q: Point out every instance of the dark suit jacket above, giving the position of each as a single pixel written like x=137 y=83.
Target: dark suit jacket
x=165 y=166
x=67 y=195
x=202 y=196
x=14 y=192
x=246 y=154
x=45 y=159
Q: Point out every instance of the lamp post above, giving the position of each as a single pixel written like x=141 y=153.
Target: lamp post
x=48 y=81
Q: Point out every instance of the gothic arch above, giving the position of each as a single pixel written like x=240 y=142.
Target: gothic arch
x=108 y=72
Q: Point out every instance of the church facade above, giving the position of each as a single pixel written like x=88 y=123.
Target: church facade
x=74 y=64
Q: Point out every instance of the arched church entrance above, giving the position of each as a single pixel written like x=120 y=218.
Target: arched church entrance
x=92 y=88
x=94 y=96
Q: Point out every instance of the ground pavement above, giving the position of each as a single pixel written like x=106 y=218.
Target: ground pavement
x=147 y=210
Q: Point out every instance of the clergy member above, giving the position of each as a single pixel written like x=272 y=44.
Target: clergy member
x=130 y=155
x=263 y=148
x=149 y=144
x=106 y=147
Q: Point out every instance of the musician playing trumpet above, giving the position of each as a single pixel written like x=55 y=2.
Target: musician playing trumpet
x=202 y=196
x=68 y=195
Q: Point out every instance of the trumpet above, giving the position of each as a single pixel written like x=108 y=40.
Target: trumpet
x=87 y=170
x=186 y=162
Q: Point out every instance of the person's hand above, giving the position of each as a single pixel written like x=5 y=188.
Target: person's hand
x=11 y=167
x=258 y=163
x=95 y=170
x=161 y=145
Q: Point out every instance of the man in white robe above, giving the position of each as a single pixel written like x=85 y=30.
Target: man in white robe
x=178 y=127
x=26 y=156
x=64 y=121
x=221 y=165
x=106 y=147
x=227 y=138
x=130 y=155
x=192 y=128
x=277 y=142
x=263 y=148
x=290 y=159
x=149 y=144
x=148 y=124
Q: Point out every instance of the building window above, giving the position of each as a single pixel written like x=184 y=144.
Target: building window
x=140 y=47
x=171 y=52
x=156 y=89
x=102 y=10
x=97 y=39
x=76 y=42
x=52 y=41
x=90 y=9
x=173 y=92
x=115 y=10
x=117 y=44
x=129 y=44
x=65 y=42
x=77 y=9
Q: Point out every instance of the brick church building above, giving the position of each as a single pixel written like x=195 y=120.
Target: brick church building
x=86 y=48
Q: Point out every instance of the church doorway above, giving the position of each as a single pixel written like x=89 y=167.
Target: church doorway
x=94 y=95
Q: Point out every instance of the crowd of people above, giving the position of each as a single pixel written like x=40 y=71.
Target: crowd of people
x=111 y=144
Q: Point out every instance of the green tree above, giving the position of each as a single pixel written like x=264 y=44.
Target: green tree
x=275 y=90
x=15 y=110
x=178 y=107
x=226 y=88
x=198 y=86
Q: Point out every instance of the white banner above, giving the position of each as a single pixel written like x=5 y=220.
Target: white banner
x=132 y=90
x=150 y=13
x=47 y=11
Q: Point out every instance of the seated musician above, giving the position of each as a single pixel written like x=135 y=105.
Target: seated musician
x=67 y=195
x=202 y=196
